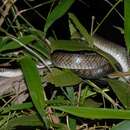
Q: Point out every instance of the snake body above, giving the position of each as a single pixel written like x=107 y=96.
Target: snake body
x=92 y=65
x=87 y=65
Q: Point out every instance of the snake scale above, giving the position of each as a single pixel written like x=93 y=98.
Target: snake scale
x=93 y=65
x=88 y=65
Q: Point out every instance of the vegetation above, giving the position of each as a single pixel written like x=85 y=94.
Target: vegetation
x=58 y=99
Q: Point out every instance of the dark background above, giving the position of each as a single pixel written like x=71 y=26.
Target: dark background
x=84 y=10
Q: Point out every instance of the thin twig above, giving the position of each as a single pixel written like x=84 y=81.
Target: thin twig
x=99 y=90
x=106 y=16
x=33 y=52
x=5 y=11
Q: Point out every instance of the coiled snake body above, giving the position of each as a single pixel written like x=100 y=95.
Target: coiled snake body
x=88 y=65
x=93 y=65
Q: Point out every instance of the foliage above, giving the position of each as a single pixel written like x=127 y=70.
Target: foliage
x=60 y=99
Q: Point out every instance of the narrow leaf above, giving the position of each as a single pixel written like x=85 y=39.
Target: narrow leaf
x=14 y=45
x=62 y=78
x=30 y=120
x=15 y=107
x=69 y=45
x=95 y=113
x=127 y=23
x=72 y=123
x=122 y=91
x=57 y=12
x=41 y=48
x=124 y=125
x=81 y=28
x=34 y=85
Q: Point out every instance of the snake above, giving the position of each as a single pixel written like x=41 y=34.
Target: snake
x=87 y=65
x=93 y=65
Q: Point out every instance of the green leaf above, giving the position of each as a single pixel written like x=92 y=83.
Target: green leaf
x=71 y=123
x=69 y=45
x=41 y=48
x=122 y=91
x=127 y=23
x=86 y=93
x=91 y=103
x=95 y=113
x=14 y=45
x=40 y=45
x=70 y=94
x=30 y=120
x=15 y=107
x=62 y=78
x=34 y=85
x=81 y=29
x=60 y=126
x=57 y=12
x=124 y=125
